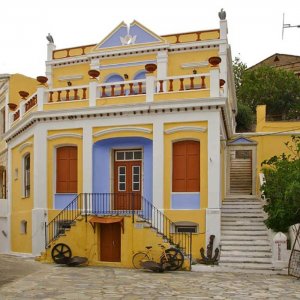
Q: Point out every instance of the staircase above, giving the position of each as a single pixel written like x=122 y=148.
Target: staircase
x=244 y=240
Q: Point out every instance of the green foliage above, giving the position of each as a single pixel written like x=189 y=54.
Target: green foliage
x=239 y=69
x=278 y=89
x=282 y=188
x=245 y=118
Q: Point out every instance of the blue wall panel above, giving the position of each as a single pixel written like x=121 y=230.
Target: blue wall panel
x=185 y=201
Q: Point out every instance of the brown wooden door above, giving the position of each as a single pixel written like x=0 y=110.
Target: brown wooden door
x=110 y=242
x=127 y=185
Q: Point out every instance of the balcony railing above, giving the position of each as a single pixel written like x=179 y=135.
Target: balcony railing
x=149 y=87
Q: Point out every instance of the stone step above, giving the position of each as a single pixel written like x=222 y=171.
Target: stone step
x=248 y=254
x=241 y=227
x=256 y=260
x=226 y=210
x=240 y=242
x=237 y=215
x=243 y=238
x=250 y=266
x=241 y=200
x=242 y=206
x=257 y=248
x=235 y=233
x=242 y=221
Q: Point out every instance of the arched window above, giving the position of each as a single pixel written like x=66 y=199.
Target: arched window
x=140 y=75
x=186 y=166
x=26 y=175
x=114 y=78
x=66 y=169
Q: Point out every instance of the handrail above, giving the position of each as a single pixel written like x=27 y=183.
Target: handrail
x=129 y=204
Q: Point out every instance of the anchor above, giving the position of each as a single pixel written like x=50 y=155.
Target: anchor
x=209 y=259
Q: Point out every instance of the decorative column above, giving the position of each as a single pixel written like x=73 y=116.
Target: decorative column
x=41 y=92
x=39 y=212
x=94 y=74
x=150 y=82
x=224 y=47
x=158 y=164
x=162 y=68
x=213 y=211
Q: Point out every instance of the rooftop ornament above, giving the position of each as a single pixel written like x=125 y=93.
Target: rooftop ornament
x=50 y=39
x=222 y=14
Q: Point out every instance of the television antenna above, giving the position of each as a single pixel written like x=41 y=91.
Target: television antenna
x=284 y=26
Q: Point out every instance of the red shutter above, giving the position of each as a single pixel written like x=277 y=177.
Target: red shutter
x=186 y=166
x=66 y=170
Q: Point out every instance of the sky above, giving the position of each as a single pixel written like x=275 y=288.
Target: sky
x=255 y=27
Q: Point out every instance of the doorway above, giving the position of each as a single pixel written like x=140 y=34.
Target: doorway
x=127 y=179
x=110 y=242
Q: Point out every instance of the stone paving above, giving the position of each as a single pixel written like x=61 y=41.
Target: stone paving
x=48 y=282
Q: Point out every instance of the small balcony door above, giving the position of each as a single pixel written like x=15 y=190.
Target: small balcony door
x=127 y=179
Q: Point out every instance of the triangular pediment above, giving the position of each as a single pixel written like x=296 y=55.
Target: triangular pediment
x=241 y=141
x=133 y=35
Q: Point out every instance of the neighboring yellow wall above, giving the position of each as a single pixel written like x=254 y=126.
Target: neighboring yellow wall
x=51 y=163
x=21 y=208
x=271 y=144
x=19 y=82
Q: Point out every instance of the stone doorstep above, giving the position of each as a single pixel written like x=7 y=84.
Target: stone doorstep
x=240 y=206
x=244 y=238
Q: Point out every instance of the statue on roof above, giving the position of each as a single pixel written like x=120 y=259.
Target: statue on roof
x=222 y=14
x=49 y=38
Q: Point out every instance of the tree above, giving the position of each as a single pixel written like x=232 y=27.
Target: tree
x=282 y=188
x=245 y=117
x=278 y=89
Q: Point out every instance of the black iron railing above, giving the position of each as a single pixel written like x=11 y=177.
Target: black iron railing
x=125 y=204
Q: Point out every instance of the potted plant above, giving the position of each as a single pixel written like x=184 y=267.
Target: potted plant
x=42 y=79
x=12 y=106
x=23 y=94
x=94 y=73
x=150 y=68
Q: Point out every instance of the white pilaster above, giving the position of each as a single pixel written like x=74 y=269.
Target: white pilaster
x=95 y=64
x=93 y=92
x=158 y=164
x=50 y=48
x=9 y=197
x=49 y=75
x=39 y=212
x=87 y=160
x=41 y=97
x=214 y=82
x=150 y=87
x=213 y=213
x=22 y=108
x=162 y=67
x=223 y=29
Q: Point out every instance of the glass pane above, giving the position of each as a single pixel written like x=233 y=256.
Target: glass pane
x=120 y=155
x=129 y=155
x=136 y=178
x=137 y=154
x=136 y=186
x=122 y=170
x=122 y=178
x=136 y=171
x=122 y=186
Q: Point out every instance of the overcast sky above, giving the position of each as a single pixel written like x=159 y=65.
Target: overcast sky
x=255 y=27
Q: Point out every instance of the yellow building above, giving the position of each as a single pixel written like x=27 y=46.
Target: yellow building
x=10 y=86
x=122 y=145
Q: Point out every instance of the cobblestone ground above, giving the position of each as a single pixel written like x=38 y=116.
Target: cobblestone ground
x=58 y=282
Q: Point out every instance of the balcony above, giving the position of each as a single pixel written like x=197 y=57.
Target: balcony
x=149 y=90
